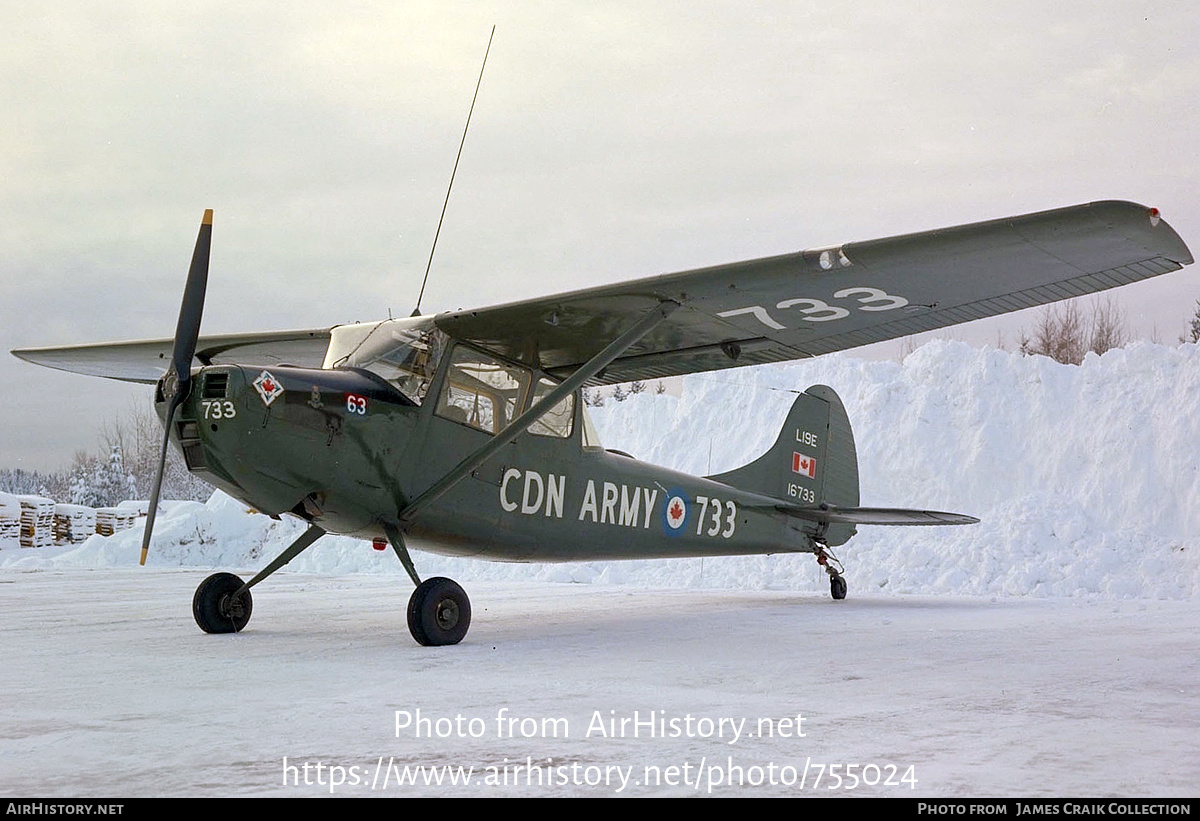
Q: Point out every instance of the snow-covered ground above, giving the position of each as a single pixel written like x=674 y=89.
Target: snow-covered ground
x=110 y=690
x=1050 y=650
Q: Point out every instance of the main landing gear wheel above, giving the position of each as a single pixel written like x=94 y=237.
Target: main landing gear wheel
x=215 y=607
x=439 y=612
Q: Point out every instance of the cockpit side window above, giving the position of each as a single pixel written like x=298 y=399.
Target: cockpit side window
x=559 y=421
x=481 y=391
x=591 y=439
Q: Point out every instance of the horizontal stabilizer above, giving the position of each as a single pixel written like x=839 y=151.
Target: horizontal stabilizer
x=876 y=516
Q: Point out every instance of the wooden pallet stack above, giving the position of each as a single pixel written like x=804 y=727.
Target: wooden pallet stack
x=37 y=521
x=10 y=521
x=110 y=520
x=73 y=523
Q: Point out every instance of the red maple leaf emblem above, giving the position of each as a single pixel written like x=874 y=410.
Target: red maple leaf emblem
x=268 y=386
x=676 y=510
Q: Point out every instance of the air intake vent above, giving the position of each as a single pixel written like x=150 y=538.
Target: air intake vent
x=193 y=456
x=215 y=385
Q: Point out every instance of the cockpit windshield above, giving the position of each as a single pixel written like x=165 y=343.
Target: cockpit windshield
x=405 y=352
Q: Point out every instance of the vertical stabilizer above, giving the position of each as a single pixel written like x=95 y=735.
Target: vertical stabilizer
x=813 y=462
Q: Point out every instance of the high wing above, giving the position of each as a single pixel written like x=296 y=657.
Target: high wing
x=145 y=360
x=829 y=299
x=773 y=309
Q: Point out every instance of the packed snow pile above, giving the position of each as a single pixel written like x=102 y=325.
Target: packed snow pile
x=1087 y=479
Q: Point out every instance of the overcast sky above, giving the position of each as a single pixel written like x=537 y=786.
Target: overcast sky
x=610 y=141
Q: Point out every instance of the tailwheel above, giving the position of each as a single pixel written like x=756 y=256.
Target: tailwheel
x=217 y=609
x=837 y=587
x=837 y=582
x=439 y=612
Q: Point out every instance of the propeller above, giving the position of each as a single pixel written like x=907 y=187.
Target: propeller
x=176 y=382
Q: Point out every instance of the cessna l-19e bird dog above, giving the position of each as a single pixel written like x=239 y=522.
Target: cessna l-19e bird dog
x=465 y=431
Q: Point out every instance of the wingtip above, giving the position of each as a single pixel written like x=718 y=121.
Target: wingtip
x=207 y=217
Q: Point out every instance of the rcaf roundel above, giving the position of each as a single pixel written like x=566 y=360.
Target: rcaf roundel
x=675 y=513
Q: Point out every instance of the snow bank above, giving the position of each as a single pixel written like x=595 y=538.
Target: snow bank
x=1087 y=479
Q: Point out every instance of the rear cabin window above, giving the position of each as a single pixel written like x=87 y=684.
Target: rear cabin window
x=559 y=421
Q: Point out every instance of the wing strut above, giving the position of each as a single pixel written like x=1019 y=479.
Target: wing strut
x=519 y=425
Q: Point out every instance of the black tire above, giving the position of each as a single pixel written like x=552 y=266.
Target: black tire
x=214 y=607
x=439 y=612
x=837 y=587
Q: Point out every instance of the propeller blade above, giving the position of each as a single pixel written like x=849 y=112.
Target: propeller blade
x=176 y=381
x=152 y=510
x=188 y=329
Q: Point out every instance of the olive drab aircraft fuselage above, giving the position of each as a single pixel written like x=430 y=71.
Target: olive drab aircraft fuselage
x=465 y=432
x=337 y=446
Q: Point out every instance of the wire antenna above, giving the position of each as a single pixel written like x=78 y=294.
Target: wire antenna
x=449 y=188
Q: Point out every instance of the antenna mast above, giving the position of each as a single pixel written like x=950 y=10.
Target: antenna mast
x=428 y=265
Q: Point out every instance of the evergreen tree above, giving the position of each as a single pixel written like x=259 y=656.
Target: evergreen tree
x=97 y=482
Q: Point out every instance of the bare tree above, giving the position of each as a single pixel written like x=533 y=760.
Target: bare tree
x=124 y=469
x=1065 y=335
x=138 y=437
x=1108 y=327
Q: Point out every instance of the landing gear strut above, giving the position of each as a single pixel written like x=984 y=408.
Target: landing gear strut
x=222 y=602
x=837 y=582
x=439 y=611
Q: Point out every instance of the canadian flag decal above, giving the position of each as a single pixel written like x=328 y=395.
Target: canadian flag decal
x=804 y=465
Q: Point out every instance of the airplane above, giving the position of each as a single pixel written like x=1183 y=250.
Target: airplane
x=465 y=431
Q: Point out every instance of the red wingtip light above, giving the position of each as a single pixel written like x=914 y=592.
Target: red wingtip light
x=379 y=544
x=1155 y=217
